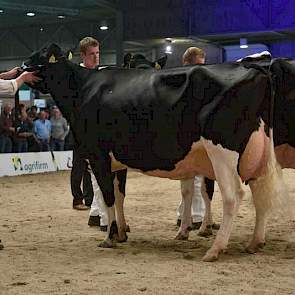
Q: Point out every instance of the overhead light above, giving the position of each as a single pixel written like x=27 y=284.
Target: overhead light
x=104 y=28
x=31 y=14
x=61 y=16
x=1 y=10
x=243 y=43
x=168 y=48
x=41 y=29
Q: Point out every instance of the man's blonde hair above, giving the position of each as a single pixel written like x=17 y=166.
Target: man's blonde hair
x=190 y=54
x=87 y=42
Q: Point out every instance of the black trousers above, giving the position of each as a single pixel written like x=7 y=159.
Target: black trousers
x=80 y=172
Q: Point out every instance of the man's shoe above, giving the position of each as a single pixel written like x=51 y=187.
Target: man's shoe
x=80 y=207
x=94 y=220
x=104 y=228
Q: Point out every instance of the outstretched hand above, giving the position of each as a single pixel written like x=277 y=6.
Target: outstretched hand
x=27 y=77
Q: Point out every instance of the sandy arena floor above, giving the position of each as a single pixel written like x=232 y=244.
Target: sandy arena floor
x=49 y=249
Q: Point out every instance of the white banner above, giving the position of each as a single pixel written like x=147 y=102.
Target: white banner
x=25 y=163
x=63 y=160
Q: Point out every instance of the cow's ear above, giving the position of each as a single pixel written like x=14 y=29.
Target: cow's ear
x=157 y=66
x=52 y=59
x=162 y=61
x=70 y=55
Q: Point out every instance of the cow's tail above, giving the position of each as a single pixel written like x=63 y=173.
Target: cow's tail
x=269 y=191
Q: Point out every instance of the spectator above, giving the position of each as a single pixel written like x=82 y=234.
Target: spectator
x=42 y=130
x=6 y=129
x=24 y=130
x=59 y=130
x=32 y=114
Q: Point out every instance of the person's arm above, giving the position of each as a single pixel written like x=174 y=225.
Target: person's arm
x=10 y=74
x=9 y=87
x=35 y=128
x=65 y=128
x=49 y=128
x=27 y=77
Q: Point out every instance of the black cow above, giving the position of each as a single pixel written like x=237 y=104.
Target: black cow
x=130 y=61
x=176 y=123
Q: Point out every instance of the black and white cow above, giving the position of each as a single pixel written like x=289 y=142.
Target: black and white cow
x=201 y=120
x=282 y=73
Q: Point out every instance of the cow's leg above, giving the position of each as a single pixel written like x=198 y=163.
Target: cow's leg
x=119 y=188
x=206 y=228
x=224 y=163
x=187 y=190
x=122 y=177
x=101 y=167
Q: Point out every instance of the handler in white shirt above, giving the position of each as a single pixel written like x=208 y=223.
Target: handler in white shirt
x=9 y=86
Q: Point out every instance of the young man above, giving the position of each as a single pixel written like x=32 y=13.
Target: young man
x=89 y=52
x=194 y=56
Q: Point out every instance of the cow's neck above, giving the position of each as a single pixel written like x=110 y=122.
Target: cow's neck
x=66 y=90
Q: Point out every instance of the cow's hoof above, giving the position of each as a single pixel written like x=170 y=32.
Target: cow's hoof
x=207 y=232
x=181 y=237
x=127 y=229
x=1 y=246
x=210 y=257
x=106 y=244
x=253 y=248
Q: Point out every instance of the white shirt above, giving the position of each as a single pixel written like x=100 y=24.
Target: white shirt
x=8 y=87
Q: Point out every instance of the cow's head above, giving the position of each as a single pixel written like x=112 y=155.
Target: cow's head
x=44 y=62
x=138 y=61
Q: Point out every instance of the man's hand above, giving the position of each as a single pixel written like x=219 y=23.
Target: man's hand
x=10 y=74
x=13 y=72
x=27 y=77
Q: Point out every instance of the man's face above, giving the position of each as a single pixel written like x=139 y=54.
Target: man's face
x=7 y=109
x=90 y=57
x=198 y=60
x=42 y=115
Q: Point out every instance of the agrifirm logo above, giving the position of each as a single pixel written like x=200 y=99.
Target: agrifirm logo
x=30 y=167
x=17 y=164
